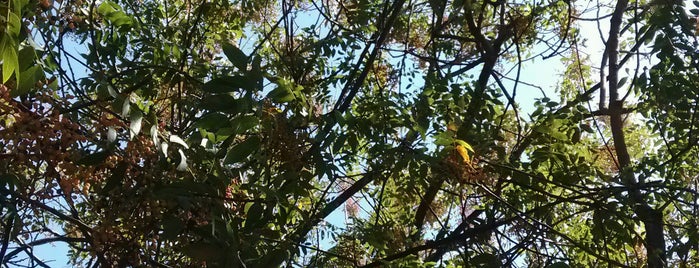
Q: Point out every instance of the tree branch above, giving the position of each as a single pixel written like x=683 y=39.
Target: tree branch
x=651 y=218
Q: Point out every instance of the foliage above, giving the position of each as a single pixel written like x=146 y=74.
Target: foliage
x=231 y=133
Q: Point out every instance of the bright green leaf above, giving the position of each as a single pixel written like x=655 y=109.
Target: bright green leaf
x=10 y=64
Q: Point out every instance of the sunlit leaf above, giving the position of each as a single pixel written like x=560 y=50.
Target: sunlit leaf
x=111 y=134
x=182 y=166
x=154 y=135
x=9 y=58
x=464 y=144
x=163 y=148
x=136 y=123
x=126 y=107
x=463 y=153
x=178 y=140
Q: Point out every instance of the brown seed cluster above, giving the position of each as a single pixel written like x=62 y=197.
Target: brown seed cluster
x=468 y=173
x=37 y=138
x=44 y=146
x=283 y=144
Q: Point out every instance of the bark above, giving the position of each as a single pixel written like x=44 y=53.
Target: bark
x=652 y=218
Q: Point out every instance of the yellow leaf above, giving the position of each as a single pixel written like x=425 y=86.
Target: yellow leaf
x=452 y=127
x=464 y=144
x=464 y=154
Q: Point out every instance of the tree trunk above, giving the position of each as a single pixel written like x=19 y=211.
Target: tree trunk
x=652 y=218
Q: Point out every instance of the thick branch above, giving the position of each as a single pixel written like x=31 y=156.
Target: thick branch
x=7 y=228
x=300 y=234
x=352 y=87
x=453 y=239
x=651 y=218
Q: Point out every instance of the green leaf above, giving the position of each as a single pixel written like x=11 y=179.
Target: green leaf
x=445 y=138
x=213 y=122
x=10 y=64
x=551 y=104
x=253 y=214
x=576 y=135
x=116 y=179
x=622 y=81
x=93 y=159
x=587 y=128
x=204 y=251
x=227 y=84
x=236 y=56
x=114 y=14
x=29 y=78
x=14 y=24
x=223 y=103
x=241 y=151
x=244 y=123
x=339 y=143
x=281 y=94
x=537 y=112
x=558 y=265
x=256 y=71
x=26 y=55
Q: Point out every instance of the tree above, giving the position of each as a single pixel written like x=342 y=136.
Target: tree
x=226 y=133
